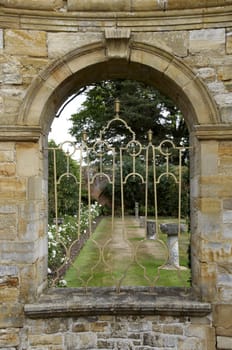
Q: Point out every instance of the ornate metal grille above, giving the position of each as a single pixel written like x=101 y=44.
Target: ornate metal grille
x=139 y=248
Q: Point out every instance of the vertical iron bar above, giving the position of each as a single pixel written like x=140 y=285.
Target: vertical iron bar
x=55 y=190
x=113 y=192
x=79 y=196
x=146 y=185
x=180 y=185
x=89 y=198
x=155 y=186
x=122 y=193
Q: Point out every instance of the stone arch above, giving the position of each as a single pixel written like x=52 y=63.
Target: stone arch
x=117 y=58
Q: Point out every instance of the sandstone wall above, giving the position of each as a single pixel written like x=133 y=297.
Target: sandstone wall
x=47 y=50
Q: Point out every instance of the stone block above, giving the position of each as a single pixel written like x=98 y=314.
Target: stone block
x=228 y=85
x=36 y=326
x=216 y=252
x=224 y=149
x=55 y=325
x=224 y=188
x=226 y=231
x=209 y=205
x=1 y=39
x=197 y=61
x=208 y=274
x=227 y=205
x=11 y=100
x=31 y=67
x=224 y=73
x=207 y=40
x=87 y=60
x=18 y=252
x=81 y=341
x=224 y=343
x=224 y=278
x=9 y=295
x=216 y=87
x=45 y=339
x=58 y=76
x=28 y=282
x=209 y=159
x=7 y=146
x=11 y=315
x=29 y=211
x=229 y=41
x=34 y=5
x=222 y=319
x=173 y=329
x=35 y=188
x=207 y=74
x=224 y=294
x=223 y=99
x=199 y=331
x=227 y=216
x=29 y=230
x=10 y=72
x=99 y=327
x=12 y=188
x=6 y=156
x=70 y=41
x=8 y=270
x=26 y=42
x=27 y=159
x=159 y=340
x=99 y=5
x=9 y=337
x=174 y=41
x=226 y=116
x=225 y=158
x=209 y=225
x=8 y=228
x=7 y=169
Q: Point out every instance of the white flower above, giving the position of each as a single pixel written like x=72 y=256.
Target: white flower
x=62 y=283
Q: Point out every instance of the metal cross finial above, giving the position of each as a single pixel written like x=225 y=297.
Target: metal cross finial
x=84 y=136
x=117 y=106
x=150 y=133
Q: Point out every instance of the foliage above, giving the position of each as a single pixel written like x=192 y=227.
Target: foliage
x=67 y=189
x=142 y=107
x=167 y=190
x=59 y=242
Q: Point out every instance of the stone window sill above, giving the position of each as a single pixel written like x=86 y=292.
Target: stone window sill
x=105 y=301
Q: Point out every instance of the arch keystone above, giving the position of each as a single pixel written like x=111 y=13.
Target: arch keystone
x=117 y=43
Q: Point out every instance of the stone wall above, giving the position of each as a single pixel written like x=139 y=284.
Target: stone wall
x=119 y=332
x=48 y=49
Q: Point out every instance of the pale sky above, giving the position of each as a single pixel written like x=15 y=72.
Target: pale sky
x=60 y=126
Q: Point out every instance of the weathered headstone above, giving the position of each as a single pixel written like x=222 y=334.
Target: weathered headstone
x=151 y=229
x=172 y=230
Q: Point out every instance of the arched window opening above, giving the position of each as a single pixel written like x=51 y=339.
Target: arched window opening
x=119 y=192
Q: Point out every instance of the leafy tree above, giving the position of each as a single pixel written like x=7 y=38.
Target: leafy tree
x=67 y=189
x=143 y=108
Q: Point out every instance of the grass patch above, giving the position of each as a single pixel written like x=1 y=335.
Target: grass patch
x=134 y=262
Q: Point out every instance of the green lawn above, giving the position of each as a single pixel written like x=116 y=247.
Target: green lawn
x=126 y=260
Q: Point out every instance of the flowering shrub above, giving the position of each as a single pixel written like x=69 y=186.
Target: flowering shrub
x=61 y=238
